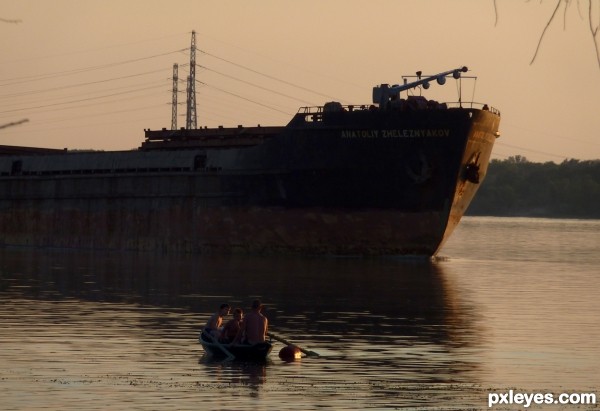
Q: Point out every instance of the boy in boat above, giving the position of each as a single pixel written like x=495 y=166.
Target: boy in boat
x=255 y=325
x=232 y=328
x=212 y=327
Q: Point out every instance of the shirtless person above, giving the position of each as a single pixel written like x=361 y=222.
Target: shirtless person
x=214 y=322
x=232 y=328
x=255 y=325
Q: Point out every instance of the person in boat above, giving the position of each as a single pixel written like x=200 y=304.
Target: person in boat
x=213 y=325
x=233 y=326
x=255 y=326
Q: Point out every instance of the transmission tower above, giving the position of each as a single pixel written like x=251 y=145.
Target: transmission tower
x=191 y=118
x=174 y=102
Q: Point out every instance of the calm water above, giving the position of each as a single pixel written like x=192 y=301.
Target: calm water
x=510 y=303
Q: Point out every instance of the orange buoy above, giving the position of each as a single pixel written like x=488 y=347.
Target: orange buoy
x=290 y=353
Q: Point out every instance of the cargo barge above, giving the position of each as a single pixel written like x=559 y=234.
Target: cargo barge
x=389 y=178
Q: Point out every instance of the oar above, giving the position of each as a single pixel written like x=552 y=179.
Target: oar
x=228 y=353
x=286 y=342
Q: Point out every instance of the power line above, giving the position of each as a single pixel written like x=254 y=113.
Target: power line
x=531 y=150
x=216 y=101
x=287 y=63
x=93 y=50
x=268 y=76
x=81 y=100
x=101 y=114
x=27 y=79
x=242 y=97
x=20 y=80
x=89 y=94
x=550 y=134
x=257 y=86
x=25 y=93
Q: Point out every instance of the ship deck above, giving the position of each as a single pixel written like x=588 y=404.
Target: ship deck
x=239 y=136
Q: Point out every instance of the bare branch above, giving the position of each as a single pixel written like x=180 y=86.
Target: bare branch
x=496 y=13
x=544 y=32
x=594 y=31
x=16 y=123
x=15 y=21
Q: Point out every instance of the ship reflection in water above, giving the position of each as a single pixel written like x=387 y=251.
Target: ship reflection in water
x=388 y=331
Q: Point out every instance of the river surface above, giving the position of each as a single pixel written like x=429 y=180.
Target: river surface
x=510 y=303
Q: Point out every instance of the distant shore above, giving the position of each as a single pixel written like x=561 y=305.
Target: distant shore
x=517 y=187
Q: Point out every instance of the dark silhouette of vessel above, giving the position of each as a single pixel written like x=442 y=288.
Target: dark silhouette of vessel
x=390 y=178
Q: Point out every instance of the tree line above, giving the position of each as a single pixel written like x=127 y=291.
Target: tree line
x=518 y=187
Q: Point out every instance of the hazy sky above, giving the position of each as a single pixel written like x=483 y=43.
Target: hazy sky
x=96 y=73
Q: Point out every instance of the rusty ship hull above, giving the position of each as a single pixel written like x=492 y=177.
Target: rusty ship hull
x=354 y=181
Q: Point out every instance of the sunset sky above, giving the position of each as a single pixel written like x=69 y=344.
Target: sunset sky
x=96 y=73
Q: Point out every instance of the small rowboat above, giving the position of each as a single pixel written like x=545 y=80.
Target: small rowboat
x=245 y=352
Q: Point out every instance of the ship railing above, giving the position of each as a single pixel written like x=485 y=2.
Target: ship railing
x=473 y=104
x=336 y=107
x=315 y=113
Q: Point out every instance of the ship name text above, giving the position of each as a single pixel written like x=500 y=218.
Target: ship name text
x=396 y=133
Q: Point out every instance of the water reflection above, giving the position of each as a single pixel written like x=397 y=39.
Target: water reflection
x=336 y=300
x=100 y=330
x=250 y=374
x=379 y=322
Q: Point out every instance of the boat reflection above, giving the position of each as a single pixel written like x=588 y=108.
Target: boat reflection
x=392 y=313
x=247 y=373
